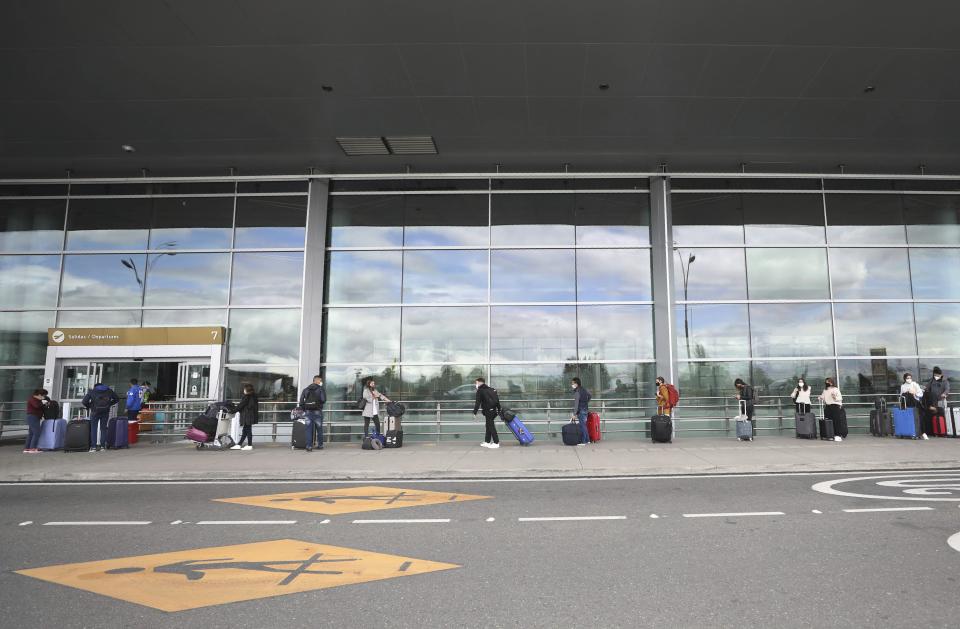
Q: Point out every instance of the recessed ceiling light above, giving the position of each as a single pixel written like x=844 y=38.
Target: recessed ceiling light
x=127 y=148
x=326 y=88
x=604 y=86
x=868 y=89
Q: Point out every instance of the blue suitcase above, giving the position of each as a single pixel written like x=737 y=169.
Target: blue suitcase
x=906 y=423
x=524 y=436
x=53 y=434
x=118 y=435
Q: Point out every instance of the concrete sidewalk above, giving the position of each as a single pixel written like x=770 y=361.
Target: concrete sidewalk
x=181 y=461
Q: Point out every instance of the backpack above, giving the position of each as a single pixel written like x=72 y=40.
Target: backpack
x=311 y=401
x=101 y=400
x=673 y=395
x=395 y=409
x=51 y=410
x=492 y=397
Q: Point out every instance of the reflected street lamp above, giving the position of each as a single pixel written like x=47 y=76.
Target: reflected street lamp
x=685 y=271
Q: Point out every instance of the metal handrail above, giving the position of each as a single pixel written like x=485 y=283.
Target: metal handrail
x=163 y=421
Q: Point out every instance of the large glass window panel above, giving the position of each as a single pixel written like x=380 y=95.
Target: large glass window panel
x=362 y=335
x=613 y=275
x=444 y=335
x=273 y=383
x=192 y=223
x=94 y=224
x=783 y=273
x=16 y=386
x=31 y=224
x=936 y=273
x=783 y=219
x=932 y=219
x=870 y=273
x=265 y=222
x=453 y=383
x=98 y=318
x=783 y=330
x=709 y=274
x=103 y=280
x=875 y=329
x=184 y=318
x=366 y=221
x=529 y=276
x=29 y=281
x=615 y=332
x=779 y=377
x=545 y=333
x=707 y=219
x=937 y=326
x=532 y=382
x=712 y=379
x=874 y=376
x=264 y=336
x=445 y=276
x=345 y=382
x=865 y=219
x=712 y=331
x=443 y=220
x=23 y=337
x=187 y=279
x=267 y=279
x=533 y=219
x=616 y=381
x=613 y=220
x=364 y=277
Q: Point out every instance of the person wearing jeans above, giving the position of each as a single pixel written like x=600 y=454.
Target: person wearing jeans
x=580 y=400
x=34 y=417
x=312 y=400
x=99 y=400
x=371 y=409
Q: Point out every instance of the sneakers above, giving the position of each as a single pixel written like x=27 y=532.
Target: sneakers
x=235 y=447
x=837 y=438
x=925 y=436
x=93 y=449
x=493 y=446
x=581 y=444
x=309 y=449
x=484 y=445
x=247 y=448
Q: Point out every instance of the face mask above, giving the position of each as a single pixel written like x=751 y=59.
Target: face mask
x=800 y=384
x=909 y=380
x=937 y=377
x=320 y=384
x=477 y=385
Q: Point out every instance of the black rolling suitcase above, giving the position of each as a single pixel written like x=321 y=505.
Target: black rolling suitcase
x=881 y=420
x=806 y=426
x=826 y=429
x=661 y=429
x=78 y=436
x=571 y=434
x=393 y=431
x=298 y=436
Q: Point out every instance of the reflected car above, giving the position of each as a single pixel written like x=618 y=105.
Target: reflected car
x=463 y=392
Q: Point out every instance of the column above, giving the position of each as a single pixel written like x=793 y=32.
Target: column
x=661 y=237
x=314 y=267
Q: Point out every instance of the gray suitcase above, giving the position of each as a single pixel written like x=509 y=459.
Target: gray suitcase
x=744 y=426
x=806 y=426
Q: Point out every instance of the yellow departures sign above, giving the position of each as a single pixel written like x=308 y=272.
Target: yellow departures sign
x=351 y=499
x=190 y=579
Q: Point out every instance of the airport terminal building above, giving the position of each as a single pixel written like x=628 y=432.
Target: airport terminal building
x=427 y=194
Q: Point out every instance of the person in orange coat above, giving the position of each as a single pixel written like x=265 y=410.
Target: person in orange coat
x=663 y=397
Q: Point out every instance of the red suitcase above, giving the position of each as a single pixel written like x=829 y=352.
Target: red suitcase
x=939 y=426
x=593 y=426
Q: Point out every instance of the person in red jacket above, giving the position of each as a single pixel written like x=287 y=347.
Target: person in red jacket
x=34 y=416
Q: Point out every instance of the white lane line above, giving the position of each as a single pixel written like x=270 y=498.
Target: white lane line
x=731 y=515
x=818 y=512
x=954 y=541
x=327 y=521
x=654 y=516
x=491 y=519
x=574 y=518
x=878 y=509
x=247 y=522
x=177 y=522
x=421 y=521
x=130 y=523
x=26 y=523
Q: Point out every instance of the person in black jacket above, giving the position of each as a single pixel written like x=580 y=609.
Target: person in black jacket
x=489 y=401
x=747 y=396
x=312 y=400
x=249 y=409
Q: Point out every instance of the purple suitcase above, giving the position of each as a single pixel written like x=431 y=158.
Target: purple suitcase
x=118 y=433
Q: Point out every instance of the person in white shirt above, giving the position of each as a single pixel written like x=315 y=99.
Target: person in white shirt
x=910 y=390
x=801 y=397
x=833 y=409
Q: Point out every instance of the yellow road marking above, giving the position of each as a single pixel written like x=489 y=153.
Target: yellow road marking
x=190 y=579
x=352 y=499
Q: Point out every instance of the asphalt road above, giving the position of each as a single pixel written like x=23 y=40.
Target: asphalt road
x=821 y=563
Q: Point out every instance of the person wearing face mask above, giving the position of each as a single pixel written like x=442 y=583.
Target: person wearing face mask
x=937 y=391
x=371 y=408
x=910 y=390
x=581 y=398
x=312 y=400
x=801 y=397
x=488 y=400
x=833 y=409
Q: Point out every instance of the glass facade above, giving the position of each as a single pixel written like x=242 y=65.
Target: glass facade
x=526 y=287
x=155 y=254
x=526 y=282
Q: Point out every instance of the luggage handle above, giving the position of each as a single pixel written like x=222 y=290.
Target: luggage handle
x=743 y=408
x=902 y=401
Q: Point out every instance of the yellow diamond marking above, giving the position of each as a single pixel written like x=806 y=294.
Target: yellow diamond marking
x=351 y=499
x=190 y=579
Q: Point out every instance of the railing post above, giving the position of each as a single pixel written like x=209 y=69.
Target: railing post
x=438 y=422
x=780 y=412
x=548 y=416
x=726 y=417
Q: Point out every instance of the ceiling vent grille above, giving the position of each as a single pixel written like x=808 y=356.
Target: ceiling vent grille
x=411 y=145
x=363 y=146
